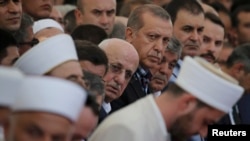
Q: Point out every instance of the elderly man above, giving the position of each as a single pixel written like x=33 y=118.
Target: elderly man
x=97 y=12
x=123 y=61
x=11 y=14
x=186 y=108
x=170 y=57
x=10 y=80
x=45 y=109
x=149 y=30
x=55 y=56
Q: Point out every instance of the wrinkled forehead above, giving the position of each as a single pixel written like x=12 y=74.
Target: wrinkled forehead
x=127 y=59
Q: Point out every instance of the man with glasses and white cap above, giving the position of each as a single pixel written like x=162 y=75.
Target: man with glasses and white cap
x=195 y=100
x=56 y=56
x=45 y=109
x=10 y=79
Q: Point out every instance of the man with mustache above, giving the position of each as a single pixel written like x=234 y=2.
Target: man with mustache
x=10 y=13
x=170 y=57
x=149 y=30
x=238 y=66
x=188 y=21
x=38 y=9
x=213 y=37
x=186 y=108
x=123 y=61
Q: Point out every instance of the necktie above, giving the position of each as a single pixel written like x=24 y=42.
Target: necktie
x=144 y=82
x=236 y=115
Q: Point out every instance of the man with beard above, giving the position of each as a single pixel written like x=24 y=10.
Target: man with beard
x=170 y=57
x=188 y=21
x=123 y=61
x=185 y=109
x=238 y=66
x=213 y=37
x=149 y=30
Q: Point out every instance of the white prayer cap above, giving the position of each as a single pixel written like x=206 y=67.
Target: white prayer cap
x=10 y=79
x=47 y=55
x=46 y=23
x=209 y=84
x=51 y=95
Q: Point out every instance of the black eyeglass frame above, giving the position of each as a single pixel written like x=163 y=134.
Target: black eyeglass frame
x=33 y=42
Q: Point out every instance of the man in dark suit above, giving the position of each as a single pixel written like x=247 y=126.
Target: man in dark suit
x=238 y=66
x=123 y=61
x=149 y=29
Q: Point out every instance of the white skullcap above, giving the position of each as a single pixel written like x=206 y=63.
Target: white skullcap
x=51 y=95
x=10 y=79
x=46 y=23
x=208 y=84
x=47 y=55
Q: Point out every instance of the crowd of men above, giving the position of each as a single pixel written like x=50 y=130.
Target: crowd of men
x=131 y=70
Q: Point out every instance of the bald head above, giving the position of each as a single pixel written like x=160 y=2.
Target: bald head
x=123 y=62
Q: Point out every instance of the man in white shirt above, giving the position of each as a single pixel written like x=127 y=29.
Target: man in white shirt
x=185 y=109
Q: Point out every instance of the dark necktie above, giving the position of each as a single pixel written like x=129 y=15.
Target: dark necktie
x=236 y=115
x=144 y=82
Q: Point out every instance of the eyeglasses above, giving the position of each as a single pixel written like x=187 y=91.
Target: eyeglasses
x=33 y=42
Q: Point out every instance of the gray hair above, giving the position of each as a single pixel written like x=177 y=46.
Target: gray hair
x=174 y=46
x=135 y=20
x=21 y=35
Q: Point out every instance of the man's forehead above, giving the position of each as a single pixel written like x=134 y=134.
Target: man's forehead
x=186 y=16
x=170 y=55
x=100 y=4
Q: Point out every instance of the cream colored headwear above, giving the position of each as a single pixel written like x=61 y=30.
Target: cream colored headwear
x=10 y=80
x=51 y=95
x=47 y=55
x=46 y=23
x=209 y=84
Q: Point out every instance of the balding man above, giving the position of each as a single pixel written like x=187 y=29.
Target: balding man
x=97 y=12
x=123 y=61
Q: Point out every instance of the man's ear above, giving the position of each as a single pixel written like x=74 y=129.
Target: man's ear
x=237 y=70
x=129 y=34
x=78 y=16
x=234 y=36
x=187 y=103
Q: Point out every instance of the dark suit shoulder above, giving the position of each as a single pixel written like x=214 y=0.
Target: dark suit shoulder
x=132 y=93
